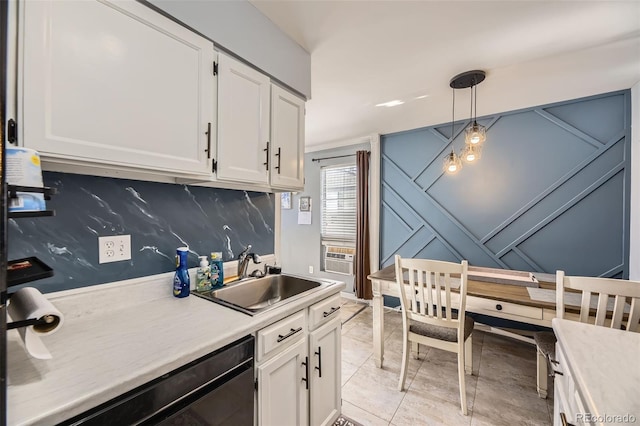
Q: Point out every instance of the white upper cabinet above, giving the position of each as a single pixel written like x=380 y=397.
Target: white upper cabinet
x=287 y=139
x=115 y=83
x=243 y=123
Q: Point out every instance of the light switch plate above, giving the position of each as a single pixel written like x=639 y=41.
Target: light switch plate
x=114 y=248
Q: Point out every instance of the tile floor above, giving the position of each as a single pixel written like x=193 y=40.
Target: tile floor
x=502 y=390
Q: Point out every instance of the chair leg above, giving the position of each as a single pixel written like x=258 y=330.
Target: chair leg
x=463 y=392
x=468 y=355
x=542 y=374
x=415 y=348
x=405 y=362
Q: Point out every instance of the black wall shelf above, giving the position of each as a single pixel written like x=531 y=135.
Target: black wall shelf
x=25 y=270
x=13 y=190
x=40 y=213
x=28 y=269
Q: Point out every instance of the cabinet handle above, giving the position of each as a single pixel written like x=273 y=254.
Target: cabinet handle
x=319 y=367
x=563 y=419
x=499 y=307
x=266 y=150
x=305 y=379
x=208 y=133
x=289 y=334
x=12 y=131
x=278 y=155
x=332 y=311
x=550 y=363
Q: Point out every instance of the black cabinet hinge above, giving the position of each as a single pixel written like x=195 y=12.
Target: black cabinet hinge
x=215 y=68
x=12 y=131
x=214 y=165
x=256 y=384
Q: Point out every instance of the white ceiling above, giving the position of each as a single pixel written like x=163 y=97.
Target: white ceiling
x=534 y=52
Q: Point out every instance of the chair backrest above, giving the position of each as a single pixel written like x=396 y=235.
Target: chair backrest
x=618 y=298
x=425 y=290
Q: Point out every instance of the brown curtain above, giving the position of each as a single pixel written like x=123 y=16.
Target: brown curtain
x=362 y=261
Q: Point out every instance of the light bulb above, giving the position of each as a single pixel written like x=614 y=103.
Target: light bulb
x=452 y=163
x=475 y=134
x=471 y=153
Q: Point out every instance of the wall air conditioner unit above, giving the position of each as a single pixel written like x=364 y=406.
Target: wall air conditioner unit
x=338 y=259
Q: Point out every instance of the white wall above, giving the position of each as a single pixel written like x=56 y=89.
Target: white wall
x=242 y=29
x=634 y=249
x=300 y=245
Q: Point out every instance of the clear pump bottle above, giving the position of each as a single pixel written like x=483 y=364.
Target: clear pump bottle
x=203 y=275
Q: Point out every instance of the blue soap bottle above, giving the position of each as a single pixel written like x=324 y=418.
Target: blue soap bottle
x=181 y=281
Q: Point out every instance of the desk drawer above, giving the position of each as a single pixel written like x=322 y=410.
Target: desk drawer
x=281 y=335
x=502 y=309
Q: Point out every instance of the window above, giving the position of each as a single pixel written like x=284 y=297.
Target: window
x=338 y=209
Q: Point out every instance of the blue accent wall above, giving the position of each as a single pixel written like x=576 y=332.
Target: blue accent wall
x=551 y=191
x=159 y=217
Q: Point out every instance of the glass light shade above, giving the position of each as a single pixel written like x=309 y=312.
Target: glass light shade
x=475 y=134
x=452 y=163
x=471 y=153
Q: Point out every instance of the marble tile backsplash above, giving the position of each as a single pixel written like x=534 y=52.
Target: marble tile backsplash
x=159 y=217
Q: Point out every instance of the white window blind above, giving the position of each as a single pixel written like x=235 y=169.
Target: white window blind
x=339 y=202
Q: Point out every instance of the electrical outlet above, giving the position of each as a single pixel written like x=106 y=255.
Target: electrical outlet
x=310 y=269
x=114 y=248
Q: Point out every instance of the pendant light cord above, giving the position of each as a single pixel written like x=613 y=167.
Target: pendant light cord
x=471 y=103
x=475 y=103
x=453 y=114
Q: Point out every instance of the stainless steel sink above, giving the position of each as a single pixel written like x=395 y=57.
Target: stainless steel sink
x=256 y=295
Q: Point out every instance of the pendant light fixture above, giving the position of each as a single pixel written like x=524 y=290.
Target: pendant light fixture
x=452 y=163
x=475 y=134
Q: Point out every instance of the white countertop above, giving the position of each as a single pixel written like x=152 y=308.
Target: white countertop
x=119 y=336
x=605 y=364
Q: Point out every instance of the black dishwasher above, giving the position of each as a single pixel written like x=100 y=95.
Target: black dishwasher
x=216 y=389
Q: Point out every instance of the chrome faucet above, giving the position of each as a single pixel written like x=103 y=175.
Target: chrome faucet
x=243 y=261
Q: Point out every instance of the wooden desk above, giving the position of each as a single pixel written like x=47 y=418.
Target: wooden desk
x=511 y=302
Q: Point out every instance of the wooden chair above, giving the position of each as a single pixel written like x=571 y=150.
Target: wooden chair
x=427 y=315
x=612 y=309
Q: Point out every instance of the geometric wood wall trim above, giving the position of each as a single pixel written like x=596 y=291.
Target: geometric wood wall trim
x=569 y=210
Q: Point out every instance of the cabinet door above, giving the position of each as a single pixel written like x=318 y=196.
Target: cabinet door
x=282 y=392
x=326 y=368
x=287 y=139
x=243 y=122
x=114 y=83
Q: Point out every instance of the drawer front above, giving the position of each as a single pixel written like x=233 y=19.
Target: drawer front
x=324 y=311
x=502 y=309
x=280 y=335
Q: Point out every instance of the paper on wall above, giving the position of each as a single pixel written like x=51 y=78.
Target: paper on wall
x=304 y=218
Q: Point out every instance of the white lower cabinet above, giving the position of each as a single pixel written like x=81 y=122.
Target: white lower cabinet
x=282 y=388
x=568 y=407
x=299 y=373
x=324 y=351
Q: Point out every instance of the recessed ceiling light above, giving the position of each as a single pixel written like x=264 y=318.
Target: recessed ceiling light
x=393 y=103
